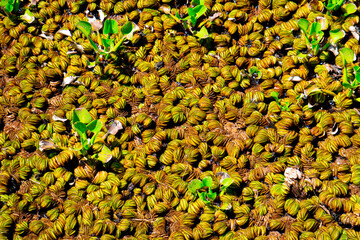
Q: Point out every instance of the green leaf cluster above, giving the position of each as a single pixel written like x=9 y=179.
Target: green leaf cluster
x=313 y=34
x=196 y=185
x=10 y=5
x=275 y=95
x=105 y=40
x=193 y=13
x=82 y=122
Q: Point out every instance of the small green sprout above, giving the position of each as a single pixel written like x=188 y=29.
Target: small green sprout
x=10 y=6
x=275 y=95
x=104 y=40
x=347 y=56
x=83 y=122
x=254 y=70
x=209 y=196
x=313 y=34
x=334 y=5
x=193 y=14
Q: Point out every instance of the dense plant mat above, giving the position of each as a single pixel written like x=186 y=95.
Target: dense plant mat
x=173 y=119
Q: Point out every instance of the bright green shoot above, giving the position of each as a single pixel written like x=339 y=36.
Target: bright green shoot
x=104 y=40
x=334 y=5
x=347 y=56
x=275 y=95
x=209 y=196
x=10 y=6
x=313 y=34
x=83 y=122
x=193 y=13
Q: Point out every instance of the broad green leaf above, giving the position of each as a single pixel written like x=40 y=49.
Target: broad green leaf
x=9 y=8
x=191 y=12
x=195 y=185
x=105 y=154
x=110 y=27
x=207 y=181
x=315 y=29
x=80 y=128
x=227 y=182
x=350 y=9
x=337 y=35
x=127 y=28
x=211 y=196
x=199 y=10
x=303 y=25
x=275 y=95
x=347 y=55
x=84 y=27
x=108 y=43
x=82 y=115
x=203 y=33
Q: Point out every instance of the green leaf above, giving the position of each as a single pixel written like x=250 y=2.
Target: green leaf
x=207 y=181
x=275 y=95
x=315 y=29
x=82 y=115
x=193 y=20
x=199 y=10
x=203 y=33
x=347 y=85
x=105 y=154
x=81 y=130
x=9 y=8
x=357 y=74
x=94 y=126
x=253 y=70
x=211 y=196
x=108 y=43
x=227 y=182
x=337 y=35
x=84 y=27
x=195 y=185
x=127 y=28
x=350 y=9
x=16 y=6
x=347 y=55
x=191 y=12
x=3 y=3
x=303 y=25
x=110 y=27
x=203 y=197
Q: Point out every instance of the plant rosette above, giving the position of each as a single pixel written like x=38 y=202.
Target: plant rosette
x=82 y=122
x=207 y=197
